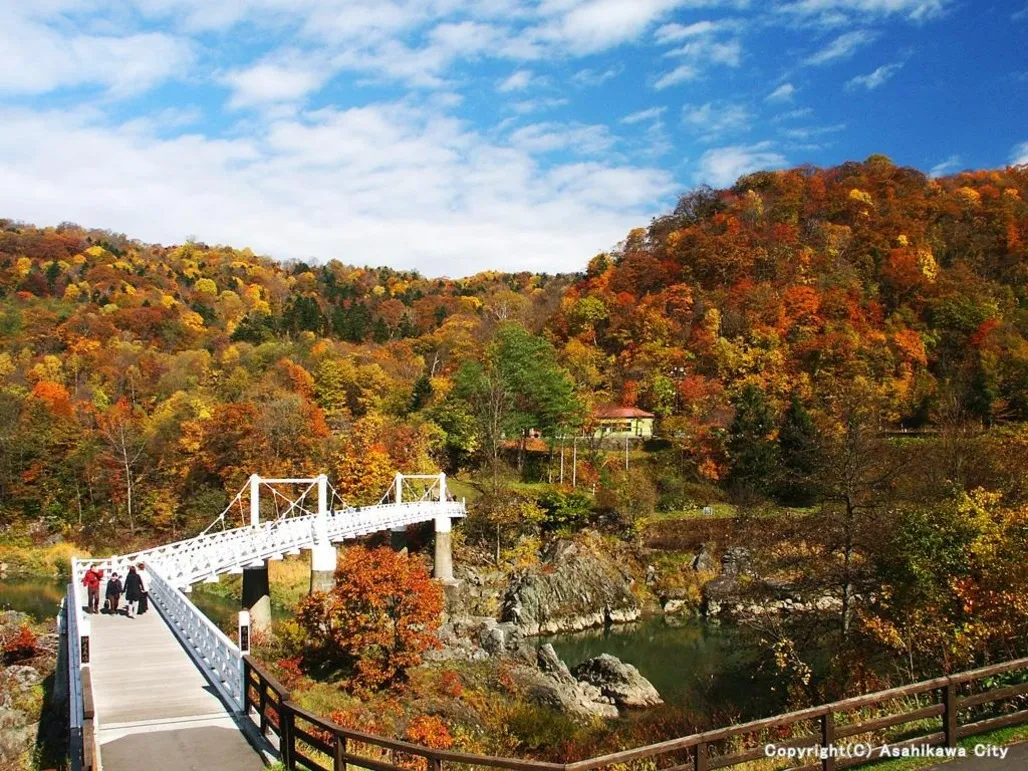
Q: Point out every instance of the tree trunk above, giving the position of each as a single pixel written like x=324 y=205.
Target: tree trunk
x=128 y=491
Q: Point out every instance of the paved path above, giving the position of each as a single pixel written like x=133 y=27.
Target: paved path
x=1016 y=760
x=155 y=710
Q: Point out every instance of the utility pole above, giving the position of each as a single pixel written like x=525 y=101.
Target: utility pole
x=574 y=463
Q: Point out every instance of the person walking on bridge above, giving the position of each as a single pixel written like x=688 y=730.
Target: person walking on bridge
x=92 y=583
x=144 y=584
x=133 y=591
x=113 y=592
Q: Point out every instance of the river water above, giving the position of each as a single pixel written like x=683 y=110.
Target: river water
x=711 y=669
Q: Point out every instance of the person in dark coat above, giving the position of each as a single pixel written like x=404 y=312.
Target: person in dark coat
x=113 y=592
x=133 y=591
x=144 y=600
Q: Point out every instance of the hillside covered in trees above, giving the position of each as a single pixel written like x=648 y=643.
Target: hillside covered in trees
x=141 y=384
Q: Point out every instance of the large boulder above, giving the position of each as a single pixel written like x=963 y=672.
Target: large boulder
x=551 y=684
x=620 y=682
x=573 y=588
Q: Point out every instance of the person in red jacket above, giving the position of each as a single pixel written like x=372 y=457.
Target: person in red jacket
x=92 y=583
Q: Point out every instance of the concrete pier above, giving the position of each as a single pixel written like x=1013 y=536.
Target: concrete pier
x=323 y=567
x=443 y=549
x=257 y=597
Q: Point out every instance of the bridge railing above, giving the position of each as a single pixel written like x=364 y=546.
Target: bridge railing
x=308 y=741
x=81 y=714
x=194 y=559
x=213 y=651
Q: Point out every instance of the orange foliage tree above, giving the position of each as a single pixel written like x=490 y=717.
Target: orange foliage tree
x=377 y=621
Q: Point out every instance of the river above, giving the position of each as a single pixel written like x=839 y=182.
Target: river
x=709 y=668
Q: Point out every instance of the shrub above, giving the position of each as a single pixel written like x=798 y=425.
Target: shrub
x=21 y=646
x=430 y=731
x=377 y=621
x=565 y=510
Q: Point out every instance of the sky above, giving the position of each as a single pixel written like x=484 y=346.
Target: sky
x=454 y=136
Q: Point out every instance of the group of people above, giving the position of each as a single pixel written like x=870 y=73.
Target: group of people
x=135 y=588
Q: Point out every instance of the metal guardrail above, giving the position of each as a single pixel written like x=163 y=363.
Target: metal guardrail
x=307 y=741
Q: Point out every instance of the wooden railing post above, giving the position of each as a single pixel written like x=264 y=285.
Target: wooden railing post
x=434 y=764
x=949 y=717
x=246 y=688
x=340 y=757
x=827 y=740
x=285 y=738
x=262 y=706
x=700 y=757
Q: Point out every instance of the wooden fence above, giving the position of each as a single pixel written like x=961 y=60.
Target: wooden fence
x=303 y=737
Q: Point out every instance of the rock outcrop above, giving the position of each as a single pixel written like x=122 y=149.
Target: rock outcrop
x=572 y=589
x=620 y=682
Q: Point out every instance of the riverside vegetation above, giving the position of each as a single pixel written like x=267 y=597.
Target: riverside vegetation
x=838 y=359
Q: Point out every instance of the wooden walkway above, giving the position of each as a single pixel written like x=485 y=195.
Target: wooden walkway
x=155 y=709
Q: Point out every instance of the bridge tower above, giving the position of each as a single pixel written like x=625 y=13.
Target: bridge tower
x=443 y=563
x=256 y=587
x=323 y=555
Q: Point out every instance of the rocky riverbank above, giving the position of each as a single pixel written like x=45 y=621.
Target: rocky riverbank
x=30 y=653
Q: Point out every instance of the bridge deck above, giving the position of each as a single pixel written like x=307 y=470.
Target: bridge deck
x=156 y=710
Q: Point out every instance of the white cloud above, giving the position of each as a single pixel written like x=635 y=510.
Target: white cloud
x=388 y=183
x=840 y=11
x=651 y=114
x=784 y=93
x=873 y=80
x=680 y=74
x=551 y=137
x=728 y=53
x=802 y=112
x=713 y=120
x=722 y=166
x=807 y=133
x=517 y=81
x=1019 y=156
x=37 y=58
x=588 y=77
x=673 y=33
x=271 y=83
x=526 y=106
x=842 y=47
x=945 y=167
x=589 y=26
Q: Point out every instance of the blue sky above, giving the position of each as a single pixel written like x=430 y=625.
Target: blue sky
x=454 y=136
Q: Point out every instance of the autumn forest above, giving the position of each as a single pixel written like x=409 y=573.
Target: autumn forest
x=847 y=345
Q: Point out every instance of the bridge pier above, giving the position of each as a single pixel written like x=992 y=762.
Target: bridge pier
x=398 y=538
x=257 y=597
x=323 y=567
x=443 y=549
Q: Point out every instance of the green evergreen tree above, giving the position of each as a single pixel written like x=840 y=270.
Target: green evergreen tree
x=752 y=450
x=797 y=440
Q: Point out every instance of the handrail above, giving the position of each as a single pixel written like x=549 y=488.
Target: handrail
x=278 y=713
x=211 y=648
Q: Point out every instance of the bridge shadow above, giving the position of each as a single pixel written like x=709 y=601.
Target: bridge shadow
x=51 y=751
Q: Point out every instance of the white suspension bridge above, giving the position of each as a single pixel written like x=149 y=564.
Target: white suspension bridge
x=169 y=684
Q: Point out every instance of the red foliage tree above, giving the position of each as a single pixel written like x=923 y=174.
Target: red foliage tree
x=377 y=621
